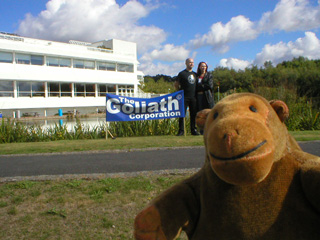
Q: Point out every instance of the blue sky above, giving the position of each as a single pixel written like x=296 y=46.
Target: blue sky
x=229 y=33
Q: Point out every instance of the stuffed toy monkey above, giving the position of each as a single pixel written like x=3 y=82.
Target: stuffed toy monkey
x=256 y=182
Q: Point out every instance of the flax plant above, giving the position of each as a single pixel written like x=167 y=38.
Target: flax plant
x=12 y=131
x=303 y=117
x=145 y=128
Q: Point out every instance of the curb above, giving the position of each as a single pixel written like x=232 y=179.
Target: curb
x=99 y=176
x=100 y=151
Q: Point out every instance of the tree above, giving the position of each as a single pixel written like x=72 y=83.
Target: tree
x=161 y=86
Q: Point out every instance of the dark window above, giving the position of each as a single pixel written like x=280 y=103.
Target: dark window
x=6 y=57
x=66 y=89
x=111 y=89
x=23 y=58
x=106 y=66
x=37 y=89
x=65 y=62
x=58 y=62
x=102 y=90
x=78 y=63
x=90 y=90
x=52 y=61
x=36 y=60
x=54 y=89
x=24 y=89
x=88 y=64
x=29 y=59
x=6 y=89
x=124 y=67
x=79 y=90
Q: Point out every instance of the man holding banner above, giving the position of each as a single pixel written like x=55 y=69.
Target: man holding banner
x=186 y=81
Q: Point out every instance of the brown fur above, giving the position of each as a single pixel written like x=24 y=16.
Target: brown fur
x=256 y=182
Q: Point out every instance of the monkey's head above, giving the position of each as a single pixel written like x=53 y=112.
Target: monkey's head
x=244 y=135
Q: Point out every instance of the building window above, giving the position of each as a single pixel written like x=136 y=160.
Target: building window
x=53 y=89
x=106 y=66
x=140 y=78
x=64 y=62
x=6 y=57
x=126 y=90
x=88 y=64
x=102 y=90
x=6 y=89
x=84 y=90
x=52 y=62
x=58 y=62
x=23 y=58
x=124 y=67
x=29 y=59
x=24 y=89
x=59 y=89
x=122 y=90
x=36 y=60
x=130 y=90
x=30 y=89
x=111 y=89
x=77 y=63
x=37 y=89
x=79 y=90
x=90 y=90
x=66 y=89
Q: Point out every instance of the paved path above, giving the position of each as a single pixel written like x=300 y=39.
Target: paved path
x=104 y=162
x=101 y=162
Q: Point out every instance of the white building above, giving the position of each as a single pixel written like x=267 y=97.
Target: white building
x=39 y=77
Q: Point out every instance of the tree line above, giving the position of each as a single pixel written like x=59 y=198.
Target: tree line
x=300 y=77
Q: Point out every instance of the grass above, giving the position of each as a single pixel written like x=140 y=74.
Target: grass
x=306 y=135
x=77 y=209
x=100 y=144
x=121 y=143
x=87 y=209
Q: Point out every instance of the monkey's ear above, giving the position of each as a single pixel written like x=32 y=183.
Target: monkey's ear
x=202 y=117
x=281 y=109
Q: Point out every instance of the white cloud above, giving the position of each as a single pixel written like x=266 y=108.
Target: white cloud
x=221 y=35
x=288 y=15
x=152 y=69
x=291 y=15
x=308 y=47
x=156 y=62
x=234 y=63
x=93 y=20
x=168 y=53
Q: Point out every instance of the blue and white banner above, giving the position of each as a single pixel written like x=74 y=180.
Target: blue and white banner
x=121 y=108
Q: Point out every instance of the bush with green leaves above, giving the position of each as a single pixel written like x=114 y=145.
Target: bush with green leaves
x=14 y=131
x=303 y=116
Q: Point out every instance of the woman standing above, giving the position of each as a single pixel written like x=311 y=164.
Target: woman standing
x=204 y=88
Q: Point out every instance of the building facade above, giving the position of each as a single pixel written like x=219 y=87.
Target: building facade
x=39 y=77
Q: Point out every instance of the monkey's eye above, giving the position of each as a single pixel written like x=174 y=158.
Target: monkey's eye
x=215 y=115
x=253 y=109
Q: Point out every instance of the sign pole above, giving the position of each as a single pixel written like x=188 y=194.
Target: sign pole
x=184 y=126
x=106 y=130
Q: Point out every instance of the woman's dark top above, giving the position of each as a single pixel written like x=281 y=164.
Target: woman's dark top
x=204 y=91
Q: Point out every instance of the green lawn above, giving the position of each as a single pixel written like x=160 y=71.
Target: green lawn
x=122 y=143
x=77 y=209
x=86 y=209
